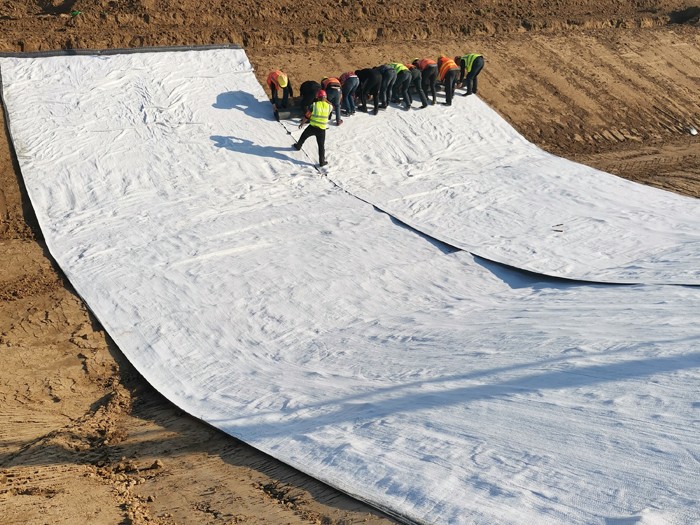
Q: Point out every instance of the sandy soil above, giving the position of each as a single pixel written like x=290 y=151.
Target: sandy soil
x=83 y=438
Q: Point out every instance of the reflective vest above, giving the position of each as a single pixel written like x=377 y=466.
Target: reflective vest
x=468 y=61
x=320 y=113
x=447 y=65
x=273 y=78
x=422 y=64
x=398 y=67
x=330 y=82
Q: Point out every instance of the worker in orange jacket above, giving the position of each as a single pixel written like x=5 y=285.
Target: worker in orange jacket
x=277 y=80
x=429 y=73
x=334 y=93
x=447 y=73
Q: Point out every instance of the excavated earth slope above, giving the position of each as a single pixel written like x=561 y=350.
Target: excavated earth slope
x=613 y=84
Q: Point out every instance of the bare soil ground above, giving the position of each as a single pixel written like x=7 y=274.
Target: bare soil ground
x=83 y=438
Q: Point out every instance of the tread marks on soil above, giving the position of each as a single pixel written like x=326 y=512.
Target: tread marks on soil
x=39 y=283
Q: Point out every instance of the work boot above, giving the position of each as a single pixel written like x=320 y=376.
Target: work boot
x=322 y=163
x=423 y=106
x=296 y=146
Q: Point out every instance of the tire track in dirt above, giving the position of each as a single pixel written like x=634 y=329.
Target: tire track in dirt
x=674 y=166
x=640 y=77
x=562 y=93
x=29 y=285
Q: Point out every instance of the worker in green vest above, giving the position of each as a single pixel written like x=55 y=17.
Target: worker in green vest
x=317 y=116
x=470 y=65
x=403 y=82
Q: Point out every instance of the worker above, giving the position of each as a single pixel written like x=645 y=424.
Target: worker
x=447 y=73
x=277 y=80
x=317 y=117
x=308 y=91
x=349 y=82
x=470 y=64
x=388 y=79
x=370 y=82
x=429 y=74
x=333 y=89
x=417 y=84
x=403 y=81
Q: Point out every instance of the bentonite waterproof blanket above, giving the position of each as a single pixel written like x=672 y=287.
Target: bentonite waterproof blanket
x=257 y=295
x=479 y=185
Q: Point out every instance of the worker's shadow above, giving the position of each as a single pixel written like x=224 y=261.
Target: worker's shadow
x=245 y=102
x=249 y=147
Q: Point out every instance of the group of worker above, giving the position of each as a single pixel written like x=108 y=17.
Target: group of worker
x=392 y=82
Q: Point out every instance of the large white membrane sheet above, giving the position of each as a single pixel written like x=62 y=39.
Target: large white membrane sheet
x=256 y=295
x=463 y=175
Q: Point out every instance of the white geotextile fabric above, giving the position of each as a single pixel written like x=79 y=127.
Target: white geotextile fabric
x=479 y=185
x=256 y=295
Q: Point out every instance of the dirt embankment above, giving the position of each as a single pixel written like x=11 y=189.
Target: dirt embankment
x=83 y=439
x=128 y=23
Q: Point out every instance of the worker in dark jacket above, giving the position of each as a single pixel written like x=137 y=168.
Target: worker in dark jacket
x=429 y=73
x=277 y=80
x=388 y=79
x=317 y=117
x=308 y=91
x=471 y=65
x=417 y=84
x=370 y=82
x=447 y=73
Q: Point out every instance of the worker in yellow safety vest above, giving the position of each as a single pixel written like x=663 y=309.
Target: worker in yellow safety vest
x=317 y=116
x=469 y=65
x=403 y=81
x=447 y=73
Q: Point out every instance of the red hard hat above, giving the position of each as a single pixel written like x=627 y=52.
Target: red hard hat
x=321 y=94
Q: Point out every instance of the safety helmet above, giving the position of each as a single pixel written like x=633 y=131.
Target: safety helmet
x=321 y=94
x=282 y=80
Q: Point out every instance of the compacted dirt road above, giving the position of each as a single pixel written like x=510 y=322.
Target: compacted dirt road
x=83 y=438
